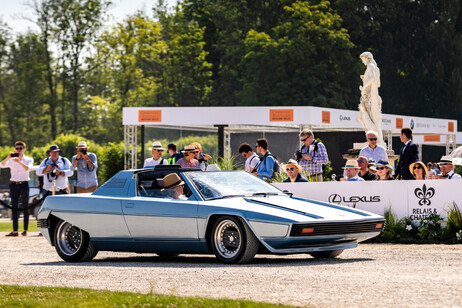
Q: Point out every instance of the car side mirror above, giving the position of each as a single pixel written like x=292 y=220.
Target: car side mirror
x=288 y=193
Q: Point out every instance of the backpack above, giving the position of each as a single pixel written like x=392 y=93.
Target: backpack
x=276 y=166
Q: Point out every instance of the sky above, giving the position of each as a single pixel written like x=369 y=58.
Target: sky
x=16 y=12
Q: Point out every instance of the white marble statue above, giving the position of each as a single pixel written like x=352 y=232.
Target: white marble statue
x=370 y=103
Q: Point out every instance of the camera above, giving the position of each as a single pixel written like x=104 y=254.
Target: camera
x=83 y=151
x=14 y=155
x=53 y=170
x=299 y=155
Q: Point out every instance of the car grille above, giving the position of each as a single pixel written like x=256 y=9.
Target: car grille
x=42 y=223
x=337 y=228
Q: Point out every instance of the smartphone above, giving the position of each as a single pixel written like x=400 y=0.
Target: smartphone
x=14 y=155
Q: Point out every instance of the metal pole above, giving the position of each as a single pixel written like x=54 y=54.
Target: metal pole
x=221 y=140
x=142 y=143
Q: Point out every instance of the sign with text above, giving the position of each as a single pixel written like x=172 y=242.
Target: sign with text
x=281 y=115
x=325 y=117
x=150 y=115
x=414 y=199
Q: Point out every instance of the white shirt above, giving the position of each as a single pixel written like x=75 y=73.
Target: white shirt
x=151 y=162
x=61 y=181
x=251 y=162
x=453 y=176
x=18 y=173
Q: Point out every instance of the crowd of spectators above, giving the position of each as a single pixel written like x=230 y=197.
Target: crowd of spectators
x=307 y=166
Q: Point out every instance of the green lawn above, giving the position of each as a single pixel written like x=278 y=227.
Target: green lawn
x=15 y=296
x=8 y=226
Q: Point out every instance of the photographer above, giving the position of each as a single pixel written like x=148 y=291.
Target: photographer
x=86 y=164
x=311 y=156
x=20 y=165
x=55 y=169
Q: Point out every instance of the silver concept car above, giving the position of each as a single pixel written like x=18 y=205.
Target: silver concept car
x=232 y=214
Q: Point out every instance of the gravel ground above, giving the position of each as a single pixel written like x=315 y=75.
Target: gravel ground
x=368 y=276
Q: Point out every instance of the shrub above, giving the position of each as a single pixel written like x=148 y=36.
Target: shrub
x=111 y=160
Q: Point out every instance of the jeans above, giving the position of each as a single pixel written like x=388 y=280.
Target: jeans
x=20 y=191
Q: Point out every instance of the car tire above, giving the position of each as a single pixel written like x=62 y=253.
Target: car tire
x=233 y=241
x=326 y=254
x=73 y=244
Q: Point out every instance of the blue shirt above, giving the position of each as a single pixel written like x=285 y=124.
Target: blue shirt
x=266 y=167
x=356 y=179
x=379 y=153
x=86 y=176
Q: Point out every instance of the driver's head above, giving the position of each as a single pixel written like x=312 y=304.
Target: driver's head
x=172 y=181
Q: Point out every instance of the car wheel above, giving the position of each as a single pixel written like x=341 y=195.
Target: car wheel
x=233 y=241
x=326 y=254
x=73 y=244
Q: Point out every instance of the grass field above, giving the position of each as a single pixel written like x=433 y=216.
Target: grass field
x=8 y=226
x=15 y=296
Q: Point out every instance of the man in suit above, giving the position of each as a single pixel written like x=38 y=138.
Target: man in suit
x=409 y=154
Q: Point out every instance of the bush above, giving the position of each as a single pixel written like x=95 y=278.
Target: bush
x=111 y=161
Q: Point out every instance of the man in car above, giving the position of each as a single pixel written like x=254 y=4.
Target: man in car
x=20 y=165
x=173 y=187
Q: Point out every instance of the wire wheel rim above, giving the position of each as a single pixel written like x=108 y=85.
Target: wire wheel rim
x=69 y=239
x=227 y=239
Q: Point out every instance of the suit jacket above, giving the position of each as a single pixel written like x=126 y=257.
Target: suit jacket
x=408 y=156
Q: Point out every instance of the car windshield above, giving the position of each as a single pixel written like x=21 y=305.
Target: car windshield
x=228 y=184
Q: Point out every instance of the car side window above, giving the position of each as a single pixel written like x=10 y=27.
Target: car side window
x=151 y=184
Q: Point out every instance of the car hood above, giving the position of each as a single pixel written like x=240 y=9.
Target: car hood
x=294 y=209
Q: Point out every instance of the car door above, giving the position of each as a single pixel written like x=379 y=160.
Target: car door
x=151 y=218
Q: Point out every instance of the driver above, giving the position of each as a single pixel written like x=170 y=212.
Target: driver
x=173 y=186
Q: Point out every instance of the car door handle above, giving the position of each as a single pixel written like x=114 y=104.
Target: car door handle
x=129 y=204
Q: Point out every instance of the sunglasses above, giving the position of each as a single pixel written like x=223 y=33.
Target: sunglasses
x=19 y=148
x=290 y=169
x=158 y=150
x=303 y=140
x=360 y=161
x=417 y=167
x=372 y=139
x=444 y=164
x=381 y=168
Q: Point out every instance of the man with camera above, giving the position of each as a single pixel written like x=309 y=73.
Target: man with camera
x=20 y=165
x=86 y=164
x=312 y=156
x=55 y=171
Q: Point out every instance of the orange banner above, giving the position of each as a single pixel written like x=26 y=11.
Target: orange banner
x=399 y=123
x=432 y=138
x=325 y=117
x=149 y=115
x=451 y=127
x=281 y=115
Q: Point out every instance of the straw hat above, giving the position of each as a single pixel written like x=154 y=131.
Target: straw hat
x=351 y=163
x=446 y=159
x=292 y=162
x=189 y=149
x=171 y=181
x=411 y=167
x=157 y=146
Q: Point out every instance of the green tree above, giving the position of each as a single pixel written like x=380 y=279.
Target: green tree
x=75 y=25
x=303 y=60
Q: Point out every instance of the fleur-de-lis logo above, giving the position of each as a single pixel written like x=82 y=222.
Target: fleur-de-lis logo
x=424 y=194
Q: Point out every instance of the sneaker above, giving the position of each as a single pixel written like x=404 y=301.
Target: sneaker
x=12 y=233
x=24 y=233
